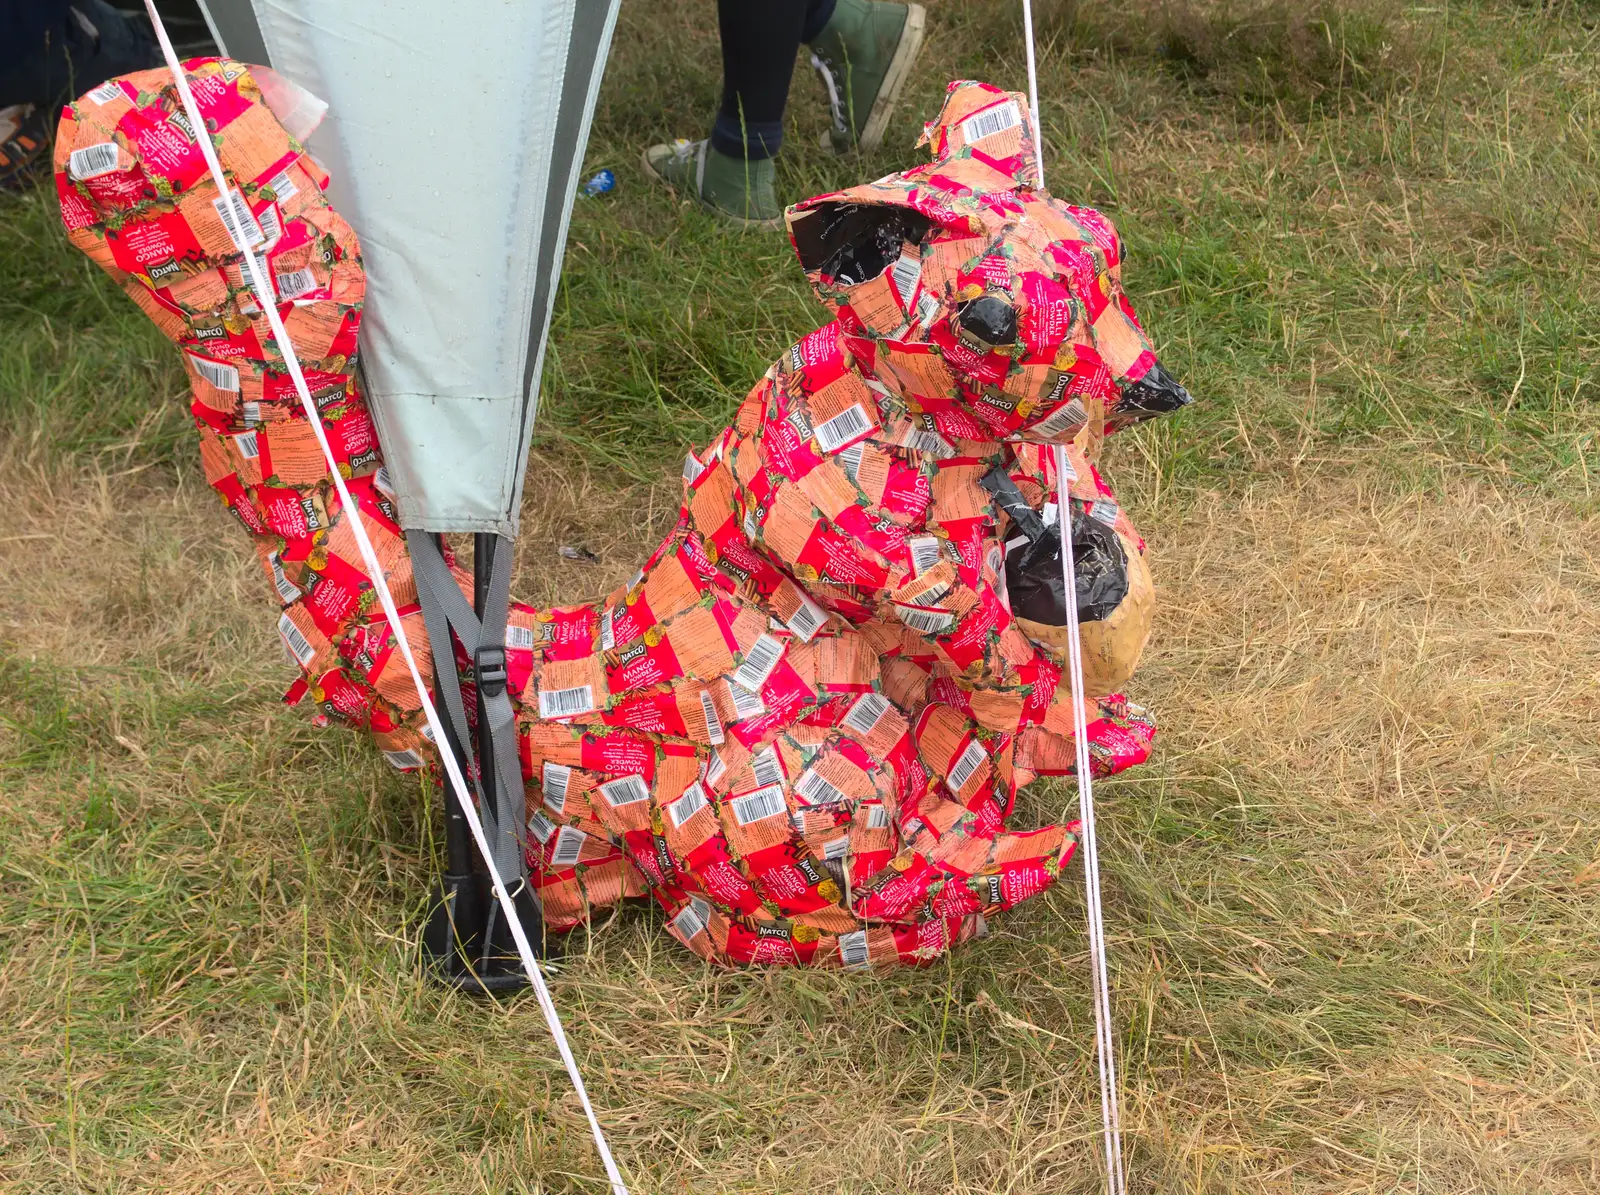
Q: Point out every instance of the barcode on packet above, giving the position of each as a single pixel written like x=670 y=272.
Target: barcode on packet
x=836 y=848
x=692 y=468
x=262 y=270
x=920 y=439
x=564 y=703
x=686 y=806
x=271 y=226
x=906 y=273
x=716 y=768
x=403 y=760
x=569 y=845
x=807 y=620
x=250 y=412
x=223 y=377
x=849 y=424
x=865 y=713
x=608 y=637
x=106 y=92
x=296 y=283
x=746 y=705
x=971 y=760
x=238 y=220
x=1059 y=420
x=92 y=161
x=692 y=919
x=850 y=459
x=625 y=790
x=299 y=647
x=282 y=187
x=762 y=803
x=288 y=591
x=540 y=827
x=759 y=662
x=557 y=779
x=817 y=790
x=247 y=444
x=519 y=638
x=920 y=618
x=768 y=768
x=853 y=949
x=1104 y=511
x=713 y=723
x=924 y=552
x=877 y=816
x=990 y=121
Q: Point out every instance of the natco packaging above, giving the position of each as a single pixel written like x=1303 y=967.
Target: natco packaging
x=137 y=198
x=802 y=726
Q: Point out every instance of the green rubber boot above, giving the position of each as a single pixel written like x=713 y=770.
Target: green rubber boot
x=864 y=54
x=737 y=189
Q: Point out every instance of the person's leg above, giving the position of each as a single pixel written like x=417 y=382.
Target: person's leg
x=818 y=14
x=866 y=48
x=52 y=50
x=759 y=43
x=732 y=171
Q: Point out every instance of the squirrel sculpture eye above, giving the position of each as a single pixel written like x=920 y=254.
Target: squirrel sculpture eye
x=987 y=323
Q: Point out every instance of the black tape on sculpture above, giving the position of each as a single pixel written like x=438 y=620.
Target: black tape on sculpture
x=1033 y=569
x=852 y=242
x=1100 y=569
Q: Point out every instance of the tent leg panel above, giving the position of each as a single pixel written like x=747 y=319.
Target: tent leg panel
x=466 y=941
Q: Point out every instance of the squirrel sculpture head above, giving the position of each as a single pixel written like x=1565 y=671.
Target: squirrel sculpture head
x=976 y=298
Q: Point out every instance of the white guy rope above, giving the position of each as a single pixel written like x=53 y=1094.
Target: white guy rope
x=262 y=287
x=1100 y=984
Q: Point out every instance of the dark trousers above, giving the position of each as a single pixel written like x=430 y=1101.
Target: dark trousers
x=54 y=50
x=759 y=41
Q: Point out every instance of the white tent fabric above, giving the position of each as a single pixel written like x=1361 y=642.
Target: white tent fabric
x=455 y=138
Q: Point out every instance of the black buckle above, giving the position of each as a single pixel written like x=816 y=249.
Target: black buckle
x=489 y=669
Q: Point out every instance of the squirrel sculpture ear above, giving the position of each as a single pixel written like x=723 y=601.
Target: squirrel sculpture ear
x=848 y=243
x=981 y=121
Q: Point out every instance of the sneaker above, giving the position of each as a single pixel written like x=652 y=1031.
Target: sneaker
x=737 y=189
x=864 y=54
x=24 y=146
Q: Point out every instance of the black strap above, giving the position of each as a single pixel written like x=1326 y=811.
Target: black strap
x=446 y=609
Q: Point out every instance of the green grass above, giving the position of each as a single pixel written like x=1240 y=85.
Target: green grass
x=1353 y=948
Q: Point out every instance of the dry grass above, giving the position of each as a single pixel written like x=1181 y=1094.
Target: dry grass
x=1352 y=903
x=1391 y=695
x=1352 y=950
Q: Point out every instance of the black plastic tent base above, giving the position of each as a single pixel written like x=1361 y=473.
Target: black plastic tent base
x=467 y=944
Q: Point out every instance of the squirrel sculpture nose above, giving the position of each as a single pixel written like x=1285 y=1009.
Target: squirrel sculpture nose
x=1154 y=394
x=987 y=323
